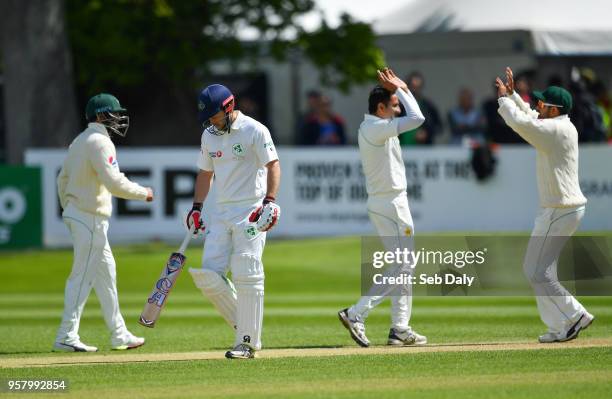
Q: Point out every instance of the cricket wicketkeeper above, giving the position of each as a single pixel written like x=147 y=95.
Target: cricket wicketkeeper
x=549 y=130
x=239 y=153
x=88 y=179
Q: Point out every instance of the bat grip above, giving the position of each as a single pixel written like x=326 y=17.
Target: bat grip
x=186 y=240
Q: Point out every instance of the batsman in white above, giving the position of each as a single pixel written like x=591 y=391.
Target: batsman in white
x=550 y=130
x=383 y=166
x=238 y=152
x=89 y=177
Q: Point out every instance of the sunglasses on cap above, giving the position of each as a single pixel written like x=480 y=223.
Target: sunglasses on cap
x=550 y=105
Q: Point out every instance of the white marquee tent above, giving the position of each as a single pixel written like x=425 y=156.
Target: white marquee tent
x=558 y=27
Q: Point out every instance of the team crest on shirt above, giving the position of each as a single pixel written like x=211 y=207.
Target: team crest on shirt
x=238 y=150
x=250 y=232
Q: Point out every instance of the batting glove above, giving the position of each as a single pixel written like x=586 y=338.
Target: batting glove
x=194 y=217
x=267 y=215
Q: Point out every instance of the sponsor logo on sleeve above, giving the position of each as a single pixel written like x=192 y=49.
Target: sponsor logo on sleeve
x=215 y=154
x=113 y=161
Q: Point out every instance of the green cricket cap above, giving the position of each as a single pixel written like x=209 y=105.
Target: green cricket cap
x=102 y=103
x=556 y=95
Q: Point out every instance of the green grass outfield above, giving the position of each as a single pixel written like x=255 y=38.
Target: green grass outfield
x=307 y=282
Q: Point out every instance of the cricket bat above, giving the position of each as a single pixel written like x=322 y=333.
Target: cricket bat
x=164 y=284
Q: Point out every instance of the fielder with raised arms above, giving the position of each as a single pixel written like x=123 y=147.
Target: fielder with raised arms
x=388 y=210
x=239 y=153
x=555 y=139
x=88 y=179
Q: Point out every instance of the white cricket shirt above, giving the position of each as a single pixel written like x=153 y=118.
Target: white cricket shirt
x=90 y=174
x=238 y=160
x=556 y=144
x=381 y=154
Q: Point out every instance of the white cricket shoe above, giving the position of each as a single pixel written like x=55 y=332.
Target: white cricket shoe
x=406 y=337
x=583 y=322
x=550 y=337
x=73 y=347
x=356 y=328
x=241 y=351
x=132 y=342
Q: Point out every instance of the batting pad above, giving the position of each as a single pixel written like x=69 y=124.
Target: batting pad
x=247 y=272
x=219 y=290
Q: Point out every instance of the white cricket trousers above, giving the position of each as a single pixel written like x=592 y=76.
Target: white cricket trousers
x=234 y=244
x=553 y=227
x=391 y=217
x=93 y=265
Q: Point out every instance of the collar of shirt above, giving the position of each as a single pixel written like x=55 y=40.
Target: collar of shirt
x=98 y=127
x=561 y=117
x=370 y=117
x=238 y=122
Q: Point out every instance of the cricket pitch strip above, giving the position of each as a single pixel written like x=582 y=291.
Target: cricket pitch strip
x=131 y=357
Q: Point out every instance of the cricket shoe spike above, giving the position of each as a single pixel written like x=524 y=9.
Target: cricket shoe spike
x=73 y=347
x=407 y=337
x=132 y=342
x=241 y=351
x=356 y=328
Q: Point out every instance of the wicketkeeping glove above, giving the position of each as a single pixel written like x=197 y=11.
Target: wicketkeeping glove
x=267 y=215
x=194 y=217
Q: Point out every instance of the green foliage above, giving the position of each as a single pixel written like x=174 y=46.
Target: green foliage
x=133 y=43
x=345 y=55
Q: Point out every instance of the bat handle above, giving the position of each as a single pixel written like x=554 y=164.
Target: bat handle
x=186 y=240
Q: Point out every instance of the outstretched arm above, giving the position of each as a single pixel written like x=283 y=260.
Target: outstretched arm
x=104 y=161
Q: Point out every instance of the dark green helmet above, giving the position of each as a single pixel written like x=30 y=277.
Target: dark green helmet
x=112 y=115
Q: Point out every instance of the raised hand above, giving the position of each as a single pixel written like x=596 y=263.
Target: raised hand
x=390 y=81
x=385 y=81
x=400 y=83
x=509 y=81
x=501 y=87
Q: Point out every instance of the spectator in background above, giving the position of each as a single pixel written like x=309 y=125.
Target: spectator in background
x=2 y=128
x=466 y=121
x=555 y=80
x=313 y=99
x=322 y=126
x=523 y=88
x=425 y=134
x=602 y=98
x=497 y=131
x=585 y=114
